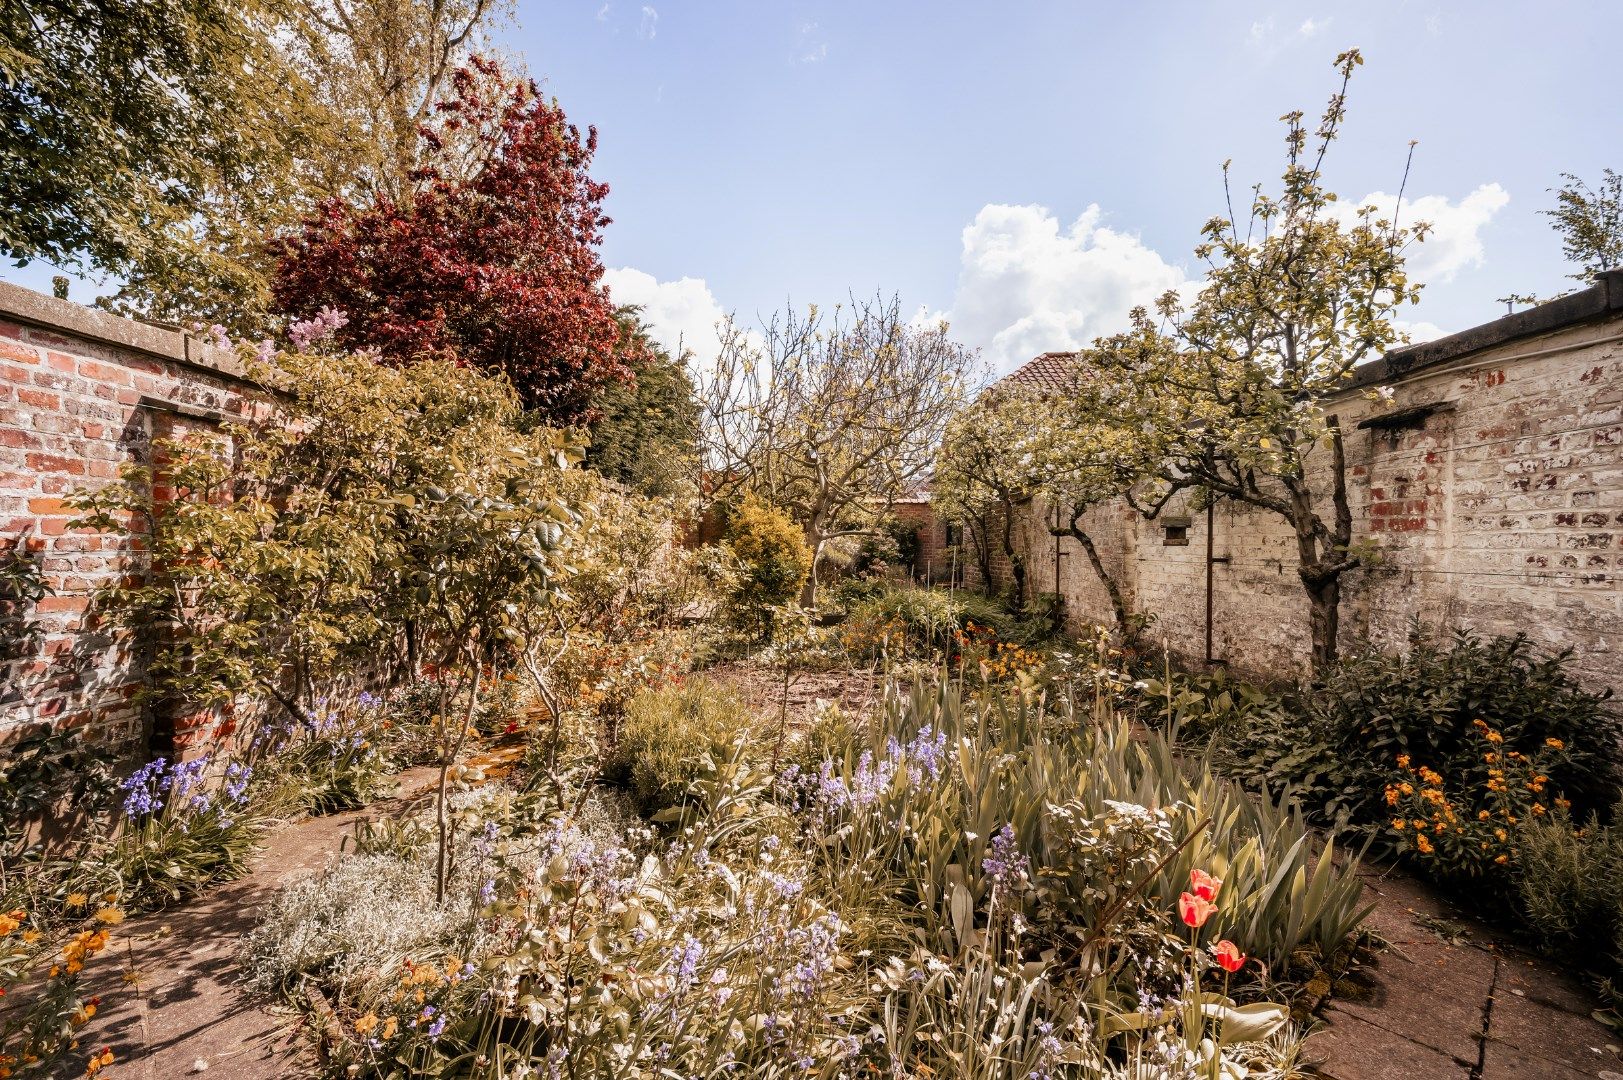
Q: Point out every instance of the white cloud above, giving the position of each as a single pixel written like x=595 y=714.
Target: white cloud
x=683 y=313
x=1419 y=331
x=1266 y=37
x=603 y=13
x=649 y=26
x=1455 y=240
x=1027 y=285
x=810 y=47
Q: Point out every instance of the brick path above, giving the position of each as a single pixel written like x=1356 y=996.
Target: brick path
x=186 y=1006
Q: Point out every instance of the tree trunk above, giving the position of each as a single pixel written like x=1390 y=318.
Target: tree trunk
x=1324 y=618
x=1017 y=562
x=983 y=554
x=1118 y=603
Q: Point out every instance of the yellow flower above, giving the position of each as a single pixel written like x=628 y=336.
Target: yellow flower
x=366 y=1023
x=1502 y=859
x=77 y=899
x=1422 y=843
x=390 y=1026
x=1399 y=824
x=1555 y=744
x=1403 y=761
x=110 y=915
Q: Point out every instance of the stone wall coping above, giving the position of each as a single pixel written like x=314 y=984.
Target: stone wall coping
x=64 y=317
x=1603 y=298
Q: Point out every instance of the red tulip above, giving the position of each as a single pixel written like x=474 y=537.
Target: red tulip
x=1204 y=885
x=1195 y=909
x=1229 y=957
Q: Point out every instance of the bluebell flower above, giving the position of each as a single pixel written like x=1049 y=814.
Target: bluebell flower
x=1004 y=863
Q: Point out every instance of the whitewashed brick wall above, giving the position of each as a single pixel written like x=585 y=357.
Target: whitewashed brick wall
x=1502 y=511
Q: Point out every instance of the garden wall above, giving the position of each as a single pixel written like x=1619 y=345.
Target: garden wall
x=83 y=392
x=1491 y=491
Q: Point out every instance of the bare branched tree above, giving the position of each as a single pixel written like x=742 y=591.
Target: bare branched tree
x=833 y=417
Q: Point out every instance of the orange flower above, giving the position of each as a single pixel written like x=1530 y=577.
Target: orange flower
x=1228 y=955
x=1195 y=910
x=1204 y=885
x=1422 y=843
x=1554 y=744
x=99 y=1061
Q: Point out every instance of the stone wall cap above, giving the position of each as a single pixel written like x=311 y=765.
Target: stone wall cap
x=34 y=309
x=1603 y=298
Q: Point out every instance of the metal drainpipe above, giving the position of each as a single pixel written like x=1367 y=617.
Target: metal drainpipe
x=1058 y=554
x=1211 y=559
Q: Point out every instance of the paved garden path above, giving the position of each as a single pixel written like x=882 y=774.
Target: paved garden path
x=185 y=1008
x=1449 y=999
x=1452 y=998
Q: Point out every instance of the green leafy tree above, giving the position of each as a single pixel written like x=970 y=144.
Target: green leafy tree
x=1590 y=222
x=1237 y=384
x=120 y=123
x=647 y=434
x=1016 y=445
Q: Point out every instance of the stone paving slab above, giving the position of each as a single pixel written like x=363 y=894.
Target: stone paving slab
x=1557 y=1041
x=1452 y=997
x=1430 y=993
x=1355 y=1049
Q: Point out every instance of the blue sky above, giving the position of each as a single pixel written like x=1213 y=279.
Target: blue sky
x=1031 y=170
x=779 y=151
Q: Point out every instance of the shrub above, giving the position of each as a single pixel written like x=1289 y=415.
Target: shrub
x=1569 y=887
x=1461 y=826
x=930 y=817
x=352 y=922
x=1337 y=746
x=36 y=1030
x=774 y=561
x=672 y=736
x=331 y=760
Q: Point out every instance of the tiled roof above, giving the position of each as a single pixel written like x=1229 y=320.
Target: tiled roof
x=1050 y=371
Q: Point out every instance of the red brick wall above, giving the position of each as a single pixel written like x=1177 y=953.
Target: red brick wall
x=83 y=392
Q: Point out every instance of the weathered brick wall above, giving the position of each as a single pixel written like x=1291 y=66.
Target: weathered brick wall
x=1494 y=503
x=82 y=393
